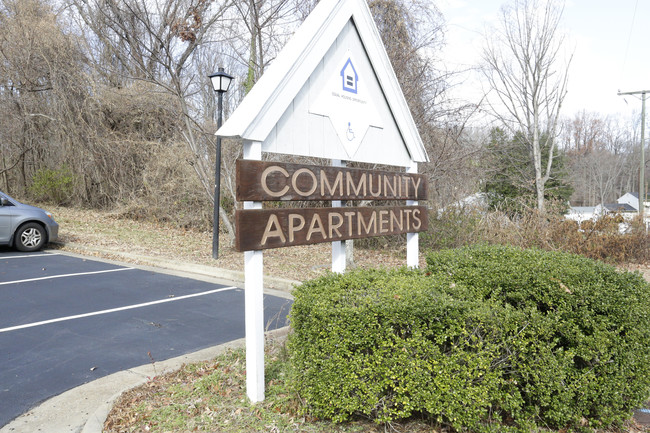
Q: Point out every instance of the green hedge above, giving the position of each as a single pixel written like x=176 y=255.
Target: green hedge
x=487 y=338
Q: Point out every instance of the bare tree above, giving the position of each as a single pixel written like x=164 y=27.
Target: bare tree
x=413 y=33
x=262 y=29
x=527 y=81
x=155 y=42
x=42 y=89
x=600 y=151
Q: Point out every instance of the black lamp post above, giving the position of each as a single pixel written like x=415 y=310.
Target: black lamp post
x=220 y=83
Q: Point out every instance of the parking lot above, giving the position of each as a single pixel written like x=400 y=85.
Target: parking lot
x=67 y=320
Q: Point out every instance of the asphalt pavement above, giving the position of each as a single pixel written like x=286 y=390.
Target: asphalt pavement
x=78 y=330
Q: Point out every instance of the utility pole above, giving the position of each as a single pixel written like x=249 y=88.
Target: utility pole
x=642 y=171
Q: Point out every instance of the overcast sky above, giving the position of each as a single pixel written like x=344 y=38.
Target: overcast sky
x=610 y=41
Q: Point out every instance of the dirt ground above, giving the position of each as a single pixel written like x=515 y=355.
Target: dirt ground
x=643 y=269
x=106 y=234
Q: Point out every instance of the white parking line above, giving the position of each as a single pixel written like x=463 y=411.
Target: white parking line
x=65 y=275
x=28 y=256
x=115 y=310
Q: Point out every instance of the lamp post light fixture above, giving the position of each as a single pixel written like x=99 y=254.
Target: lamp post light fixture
x=220 y=83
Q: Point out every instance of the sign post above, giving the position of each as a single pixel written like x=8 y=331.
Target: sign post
x=254 y=301
x=412 y=239
x=331 y=93
x=338 y=247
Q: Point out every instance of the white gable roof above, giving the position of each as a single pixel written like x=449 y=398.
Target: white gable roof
x=277 y=91
x=629 y=198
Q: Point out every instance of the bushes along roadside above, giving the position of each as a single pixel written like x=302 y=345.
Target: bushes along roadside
x=488 y=338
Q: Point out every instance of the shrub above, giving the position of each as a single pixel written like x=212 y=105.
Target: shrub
x=453 y=227
x=53 y=185
x=603 y=240
x=600 y=239
x=580 y=352
x=489 y=338
x=364 y=343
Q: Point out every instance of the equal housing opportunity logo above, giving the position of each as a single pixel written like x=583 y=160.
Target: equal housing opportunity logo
x=349 y=77
x=347 y=102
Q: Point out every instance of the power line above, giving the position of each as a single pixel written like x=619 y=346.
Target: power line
x=629 y=37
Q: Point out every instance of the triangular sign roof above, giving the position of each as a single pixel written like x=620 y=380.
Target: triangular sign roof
x=340 y=30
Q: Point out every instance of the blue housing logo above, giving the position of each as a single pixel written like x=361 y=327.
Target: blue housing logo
x=350 y=77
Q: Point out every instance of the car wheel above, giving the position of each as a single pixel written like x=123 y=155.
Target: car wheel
x=30 y=237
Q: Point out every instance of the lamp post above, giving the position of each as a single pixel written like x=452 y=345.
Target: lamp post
x=220 y=83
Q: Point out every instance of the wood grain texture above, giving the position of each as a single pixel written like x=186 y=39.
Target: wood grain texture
x=274 y=228
x=270 y=181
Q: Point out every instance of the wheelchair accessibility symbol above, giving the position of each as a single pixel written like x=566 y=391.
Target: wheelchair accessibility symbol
x=349 y=133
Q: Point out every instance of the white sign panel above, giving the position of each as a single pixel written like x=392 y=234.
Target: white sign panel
x=346 y=101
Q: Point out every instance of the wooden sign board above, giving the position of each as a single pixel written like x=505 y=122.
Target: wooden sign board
x=265 y=180
x=259 y=229
x=304 y=104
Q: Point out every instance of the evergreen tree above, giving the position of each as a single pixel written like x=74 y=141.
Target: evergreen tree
x=510 y=185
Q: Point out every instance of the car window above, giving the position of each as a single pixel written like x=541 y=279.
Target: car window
x=8 y=201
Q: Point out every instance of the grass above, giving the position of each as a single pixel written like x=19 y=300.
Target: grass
x=211 y=397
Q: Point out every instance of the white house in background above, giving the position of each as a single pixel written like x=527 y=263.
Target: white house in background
x=478 y=201
x=630 y=198
x=583 y=213
x=627 y=205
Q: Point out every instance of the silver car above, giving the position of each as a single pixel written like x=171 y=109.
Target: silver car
x=27 y=228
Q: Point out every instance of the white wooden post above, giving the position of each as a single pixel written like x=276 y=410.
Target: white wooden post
x=254 y=301
x=412 y=239
x=338 y=247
